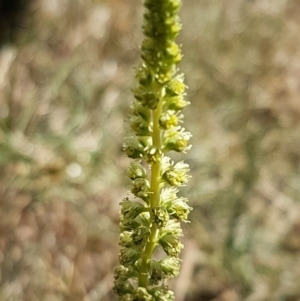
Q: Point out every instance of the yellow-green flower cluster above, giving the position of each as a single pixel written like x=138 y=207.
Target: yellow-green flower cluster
x=150 y=218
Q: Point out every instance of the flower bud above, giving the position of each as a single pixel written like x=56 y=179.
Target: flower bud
x=125 y=239
x=143 y=75
x=176 y=86
x=173 y=53
x=140 y=188
x=180 y=209
x=174 y=27
x=160 y=216
x=133 y=148
x=171 y=245
x=162 y=294
x=164 y=74
x=172 y=6
x=143 y=219
x=136 y=170
x=128 y=256
x=131 y=209
x=153 y=155
x=175 y=103
x=169 y=119
x=126 y=297
x=121 y=272
x=172 y=228
x=146 y=98
x=170 y=266
x=122 y=286
x=140 y=126
x=146 y=141
x=143 y=112
x=141 y=294
x=140 y=236
x=156 y=274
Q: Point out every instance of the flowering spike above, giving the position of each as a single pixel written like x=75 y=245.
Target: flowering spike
x=152 y=220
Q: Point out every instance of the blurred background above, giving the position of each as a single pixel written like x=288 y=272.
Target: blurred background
x=66 y=73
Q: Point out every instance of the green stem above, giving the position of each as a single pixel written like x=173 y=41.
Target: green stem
x=154 y=199
x=156 y=166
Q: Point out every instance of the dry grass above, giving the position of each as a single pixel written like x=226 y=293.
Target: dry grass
x=64 y=96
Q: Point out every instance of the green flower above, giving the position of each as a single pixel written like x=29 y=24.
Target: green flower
x=143 y=220
x=121 y=272
x=143 y=112
x=146 y=98
x=176 y=139
x=172 y=228
x=170 y=119
x=176 y=86
x=160 y=216
x=126 y=297
x=129 y=256
x=153 y=155
x=168 y=195
x=162 y=294
x=166 y=268
x=180 y=209
x=141 y=294
x=140 y=236
x=140 y=188
x=122 y=287
x=164 y=74
x=140 y=126
x=175 y=103
x=136 y=170
x=159 y=97
x=170 y=266
x=131 y=209
x=176 y=175
x=144 y=75
x=173 y=53
x=156 y=273
x=125 y=239
x=171 y=245
x=133 y=148
x=176 y=207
